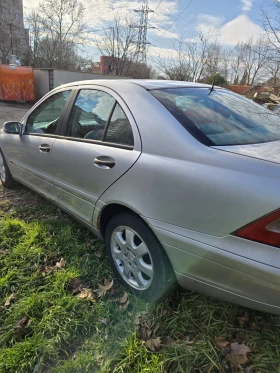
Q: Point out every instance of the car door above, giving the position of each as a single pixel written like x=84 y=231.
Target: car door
x=101 y=142
x=30 y=153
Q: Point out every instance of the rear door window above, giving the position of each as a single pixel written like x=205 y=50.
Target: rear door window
x=119 y=130
x=90 y=114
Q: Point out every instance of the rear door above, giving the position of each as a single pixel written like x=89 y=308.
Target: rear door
x=100 y=143
x=29 y=154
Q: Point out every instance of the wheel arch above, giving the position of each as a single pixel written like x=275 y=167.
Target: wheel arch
x=111 y=210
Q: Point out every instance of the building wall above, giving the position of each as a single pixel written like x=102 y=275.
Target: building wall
x=106 y=65
x=41 y=80
x=47 y=79
x=13 y=36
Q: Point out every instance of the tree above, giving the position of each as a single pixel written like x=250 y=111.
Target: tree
x=119 y=43
x=271 y=24
x=191 y=60
x=217 y=78
x=177 y=66
x=56 y=33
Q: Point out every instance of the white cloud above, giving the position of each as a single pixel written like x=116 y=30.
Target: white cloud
x=240 y=29
x=99 y=11
x=208 y=24
x=166 y=34
x=163 y=52
x=246 y=5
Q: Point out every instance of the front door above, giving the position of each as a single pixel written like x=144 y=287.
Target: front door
x=30 y=154
x=101 y=143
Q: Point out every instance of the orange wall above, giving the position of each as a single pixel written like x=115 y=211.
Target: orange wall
x=17 y=83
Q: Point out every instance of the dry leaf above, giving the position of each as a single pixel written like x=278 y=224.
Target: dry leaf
x=139 y=317
x=221 y=342
x=243 y=320
x=105 y=321
x=143 y=330
x=153 y=344
x=86 y=294
x=76 y=285
x=114 y=292
x=97 y=254
x=102 y=289
x=123 y=307
x=164 y=313
x=253 y=326
x=86 y=256
x=9 y=300
x=23 y=323
x=124 y=298
x=61 y=263
x=237 y=355
x=46 y=269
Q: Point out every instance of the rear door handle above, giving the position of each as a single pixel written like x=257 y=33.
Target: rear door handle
x=44 y=148
x=104 y=162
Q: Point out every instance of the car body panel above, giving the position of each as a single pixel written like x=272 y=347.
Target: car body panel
x=27 y=163
x=77 y=189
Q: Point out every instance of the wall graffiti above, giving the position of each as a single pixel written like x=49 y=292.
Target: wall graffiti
x=17 y=83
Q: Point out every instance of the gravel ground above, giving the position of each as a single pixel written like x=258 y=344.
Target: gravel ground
x=12 y=111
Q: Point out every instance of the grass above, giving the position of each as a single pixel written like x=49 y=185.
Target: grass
x=48 y=328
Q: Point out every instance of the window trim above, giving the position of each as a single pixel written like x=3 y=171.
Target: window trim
x=97 y=142
x=61 y=118
x=108 y=121
x=67 y=115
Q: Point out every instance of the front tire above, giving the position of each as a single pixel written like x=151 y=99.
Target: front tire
x=138 y=258
x=5 y=175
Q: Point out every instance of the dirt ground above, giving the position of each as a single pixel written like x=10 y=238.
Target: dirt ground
x=12 y=111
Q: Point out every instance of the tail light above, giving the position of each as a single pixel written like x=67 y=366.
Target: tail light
x=264 y=230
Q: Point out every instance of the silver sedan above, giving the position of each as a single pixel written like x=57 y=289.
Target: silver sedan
x=181 y=180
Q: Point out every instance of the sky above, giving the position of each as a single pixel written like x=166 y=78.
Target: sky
x=230 y=21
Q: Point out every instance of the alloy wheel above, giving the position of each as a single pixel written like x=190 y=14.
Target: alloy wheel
x=132 y=258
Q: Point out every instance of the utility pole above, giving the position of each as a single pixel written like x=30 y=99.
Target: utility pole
x=11 y=35
x=141 y=46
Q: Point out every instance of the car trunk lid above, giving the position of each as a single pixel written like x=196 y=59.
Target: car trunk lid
x=269 y=151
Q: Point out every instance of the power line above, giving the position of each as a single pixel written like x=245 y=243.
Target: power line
x=156 y=9
x=174 y=6
x=183 y=11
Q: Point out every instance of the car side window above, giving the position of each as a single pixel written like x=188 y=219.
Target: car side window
x=90 y=114
x=119 y=130
x=45 y=117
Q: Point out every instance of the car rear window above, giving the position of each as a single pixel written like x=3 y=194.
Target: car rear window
x=220 y=117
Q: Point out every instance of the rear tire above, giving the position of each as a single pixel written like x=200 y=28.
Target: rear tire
x=138 y=258
x=5 y=175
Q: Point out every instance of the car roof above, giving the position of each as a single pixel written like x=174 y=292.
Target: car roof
x=145 y=83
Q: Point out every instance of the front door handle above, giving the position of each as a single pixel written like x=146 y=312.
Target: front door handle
x=44 y=148
x=104 y=162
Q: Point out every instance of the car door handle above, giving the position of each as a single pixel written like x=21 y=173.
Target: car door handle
x=104 y=162
x=44 y=148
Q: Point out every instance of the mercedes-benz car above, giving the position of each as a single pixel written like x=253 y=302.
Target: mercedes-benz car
x=181 y=180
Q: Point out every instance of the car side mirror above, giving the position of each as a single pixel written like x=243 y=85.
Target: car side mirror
x=12 y=127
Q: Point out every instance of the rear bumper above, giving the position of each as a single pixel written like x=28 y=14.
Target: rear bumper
x=222 y=272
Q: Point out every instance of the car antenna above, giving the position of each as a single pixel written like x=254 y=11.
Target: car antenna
x=212 y=88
